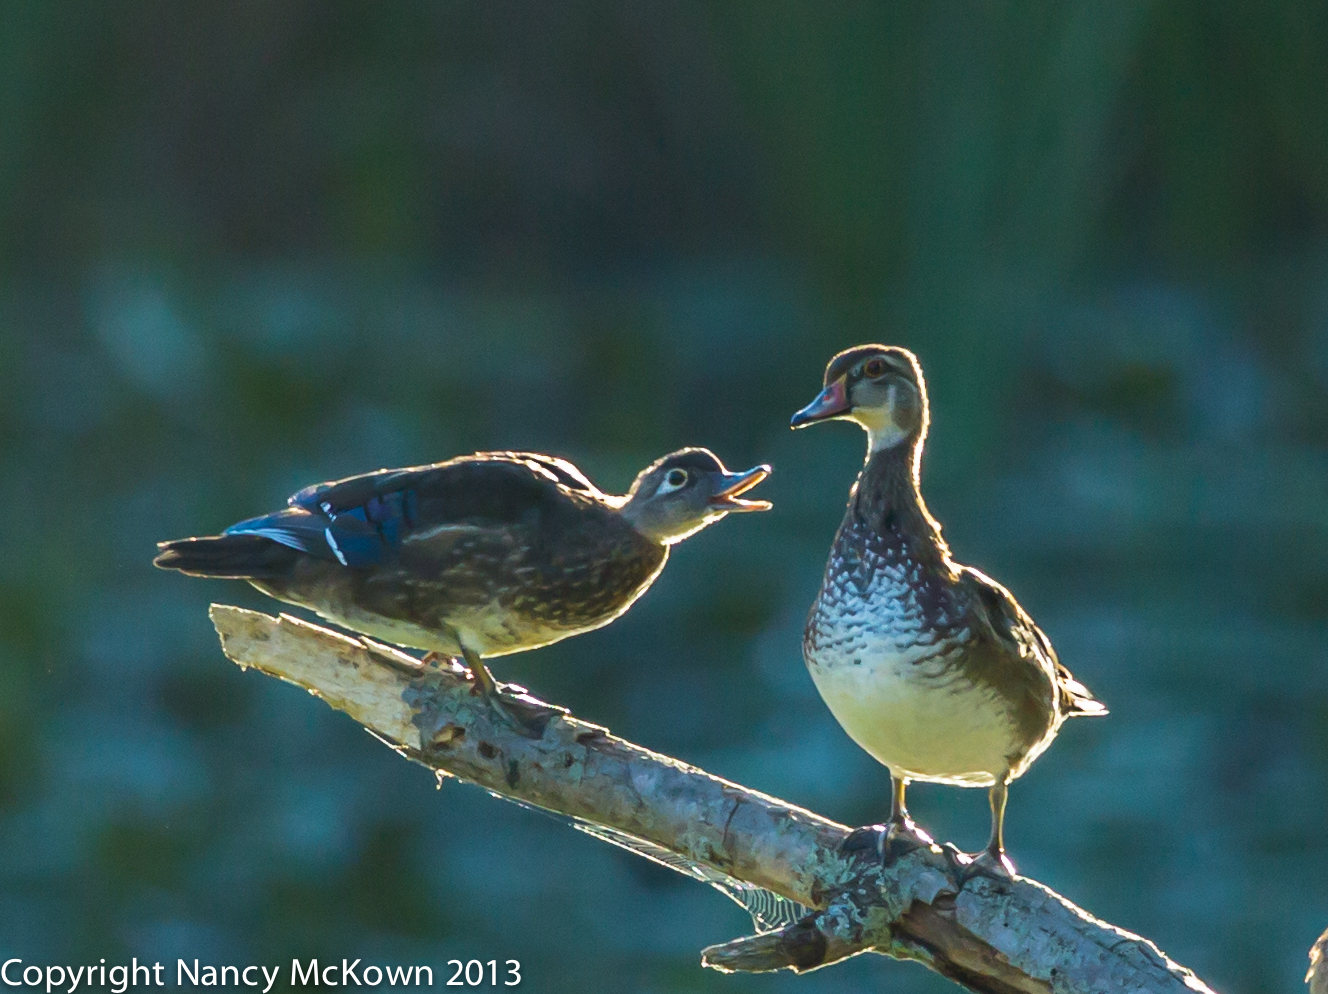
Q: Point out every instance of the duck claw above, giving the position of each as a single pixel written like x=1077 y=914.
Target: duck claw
x=509 y=702
x=524 y=719
x=901 y=837
x=989 y=864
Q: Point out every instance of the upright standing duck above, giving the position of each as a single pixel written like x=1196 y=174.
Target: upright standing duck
x=478 y=556
x=930 y=666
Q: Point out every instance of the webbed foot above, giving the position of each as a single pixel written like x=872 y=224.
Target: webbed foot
x=991 y=863
x=901 y=837
x=522 y=719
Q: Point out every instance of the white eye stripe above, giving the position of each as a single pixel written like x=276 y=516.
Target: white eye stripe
x=676 y=479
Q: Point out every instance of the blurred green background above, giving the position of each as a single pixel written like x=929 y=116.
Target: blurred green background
x=246 y=247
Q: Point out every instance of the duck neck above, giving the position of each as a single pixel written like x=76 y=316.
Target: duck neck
x=888 y=499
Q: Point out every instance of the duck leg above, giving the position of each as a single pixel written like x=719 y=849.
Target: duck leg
x=902 y=834
x=531 y=726
x=992 y=862
x=479 y=673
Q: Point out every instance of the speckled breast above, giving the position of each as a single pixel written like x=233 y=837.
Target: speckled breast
x=876 y=599
x=884 y=644
x=577 y=593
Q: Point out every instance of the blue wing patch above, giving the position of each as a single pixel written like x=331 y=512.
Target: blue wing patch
x=361 y=521
x=349 y=538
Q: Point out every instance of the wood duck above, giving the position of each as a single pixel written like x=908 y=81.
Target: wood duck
x=482 y=555
x=930 y=666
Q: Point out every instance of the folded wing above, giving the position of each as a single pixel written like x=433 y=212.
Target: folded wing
x=366 y=521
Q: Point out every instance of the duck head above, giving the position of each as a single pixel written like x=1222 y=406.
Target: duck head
x=679 y=494
x=878 y=386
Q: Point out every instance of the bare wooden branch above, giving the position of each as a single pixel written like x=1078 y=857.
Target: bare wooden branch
x=989 y=935
x=1317 y=977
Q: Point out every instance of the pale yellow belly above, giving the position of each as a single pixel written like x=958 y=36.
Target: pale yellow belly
x=950 y=732
x=489 y=630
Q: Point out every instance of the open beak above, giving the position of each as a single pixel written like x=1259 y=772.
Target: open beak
x=730 y=485
x=832 y=402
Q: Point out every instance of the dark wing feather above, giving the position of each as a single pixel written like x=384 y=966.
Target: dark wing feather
x=1006 y=620
x=349 y=539
x=1012 y=625
x=493 y=486
x=363 y=520
x=562 y=470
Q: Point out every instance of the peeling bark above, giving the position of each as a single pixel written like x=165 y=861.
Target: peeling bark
x=1003 y=937
x=1317 y=977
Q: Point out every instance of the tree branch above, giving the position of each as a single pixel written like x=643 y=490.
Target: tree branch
x=1317 y=977
x=989 y=935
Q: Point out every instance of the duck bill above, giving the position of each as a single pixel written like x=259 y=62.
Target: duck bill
x=832 y=402
x=728 y=487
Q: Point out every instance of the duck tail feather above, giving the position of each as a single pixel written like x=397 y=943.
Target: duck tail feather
x=1081 y=707
x=236 y=557
x=1079 y=701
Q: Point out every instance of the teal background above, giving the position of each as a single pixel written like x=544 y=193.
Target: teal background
x=250 y=246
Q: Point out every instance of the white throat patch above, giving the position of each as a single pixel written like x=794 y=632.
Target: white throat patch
x=882 y=432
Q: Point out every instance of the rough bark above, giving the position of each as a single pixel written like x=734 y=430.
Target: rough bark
x=1317 y=977
x=989 y=935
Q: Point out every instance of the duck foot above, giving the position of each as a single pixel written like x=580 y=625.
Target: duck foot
x=990 y=863
x=522 y=718
x=901 y=837
x=444 y=661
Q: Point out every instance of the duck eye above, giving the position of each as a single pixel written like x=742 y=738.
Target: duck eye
x=874 y=368
x=676 y=477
